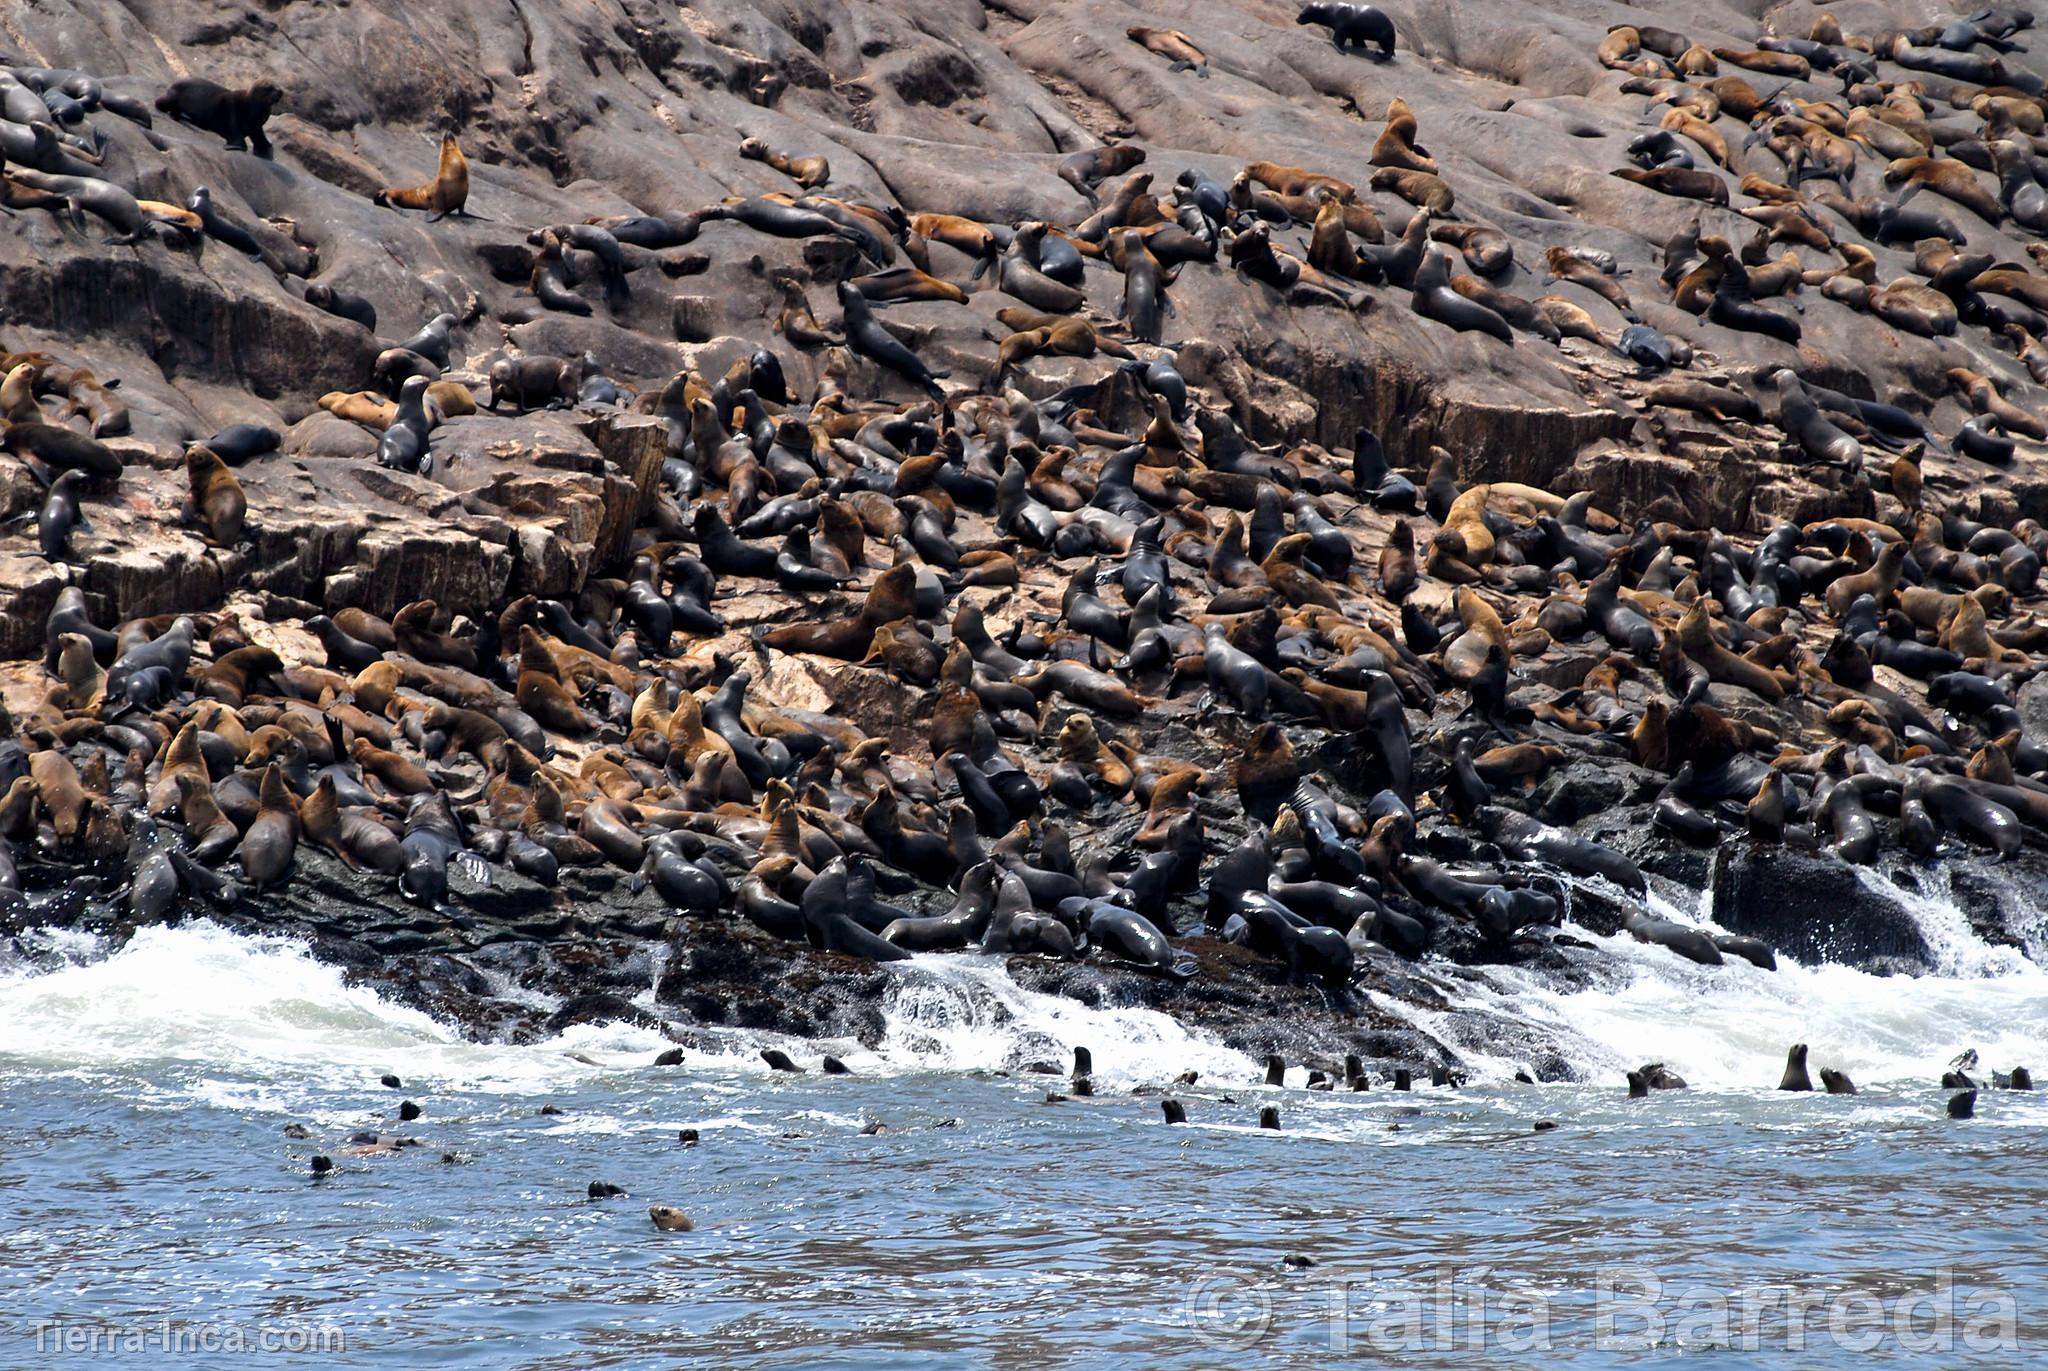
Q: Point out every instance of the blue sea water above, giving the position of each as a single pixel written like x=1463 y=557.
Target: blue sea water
x=156 y=1212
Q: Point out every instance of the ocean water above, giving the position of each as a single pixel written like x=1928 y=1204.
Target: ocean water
x=156 y=1211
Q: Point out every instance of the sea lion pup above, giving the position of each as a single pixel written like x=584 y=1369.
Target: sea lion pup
x=1090 y=167
x=446 y=194
x=1396 y=146
x=235 y=115
x=1422 y=189
x=343 y=303
x=216 y=499
x=808 y=172
x=1176 y=47
x=1352 y=26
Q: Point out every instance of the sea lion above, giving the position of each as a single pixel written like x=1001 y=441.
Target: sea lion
x=1176 y=47
x=404 y=444
x=1686 y=182
x=809 y=172
x=1424 y=190
x=1946 y=177
x=236 y=116
x=1770 y=63
x=343 y=303
x=1691 y=943
x=1090 y=167
x=216 y=499
x=446 y=194
x=866 y=336
x=1818 y=437
x=60 y=514
x=1352 y=26
x=219 y=227
x=1433 y=298
x=1567 y=265
x=267 y=848
x=121 y=210
x=1795 y=1077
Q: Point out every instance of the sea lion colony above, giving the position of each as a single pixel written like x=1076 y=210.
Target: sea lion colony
x=1381 y=666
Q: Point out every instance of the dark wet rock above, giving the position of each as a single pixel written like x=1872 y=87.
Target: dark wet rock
x=1815 y=909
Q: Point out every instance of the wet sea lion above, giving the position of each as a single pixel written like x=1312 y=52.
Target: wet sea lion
x=60 y=514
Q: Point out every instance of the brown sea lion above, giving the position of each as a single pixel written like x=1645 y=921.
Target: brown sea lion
x=1176 y=47
x=808 y=172
x=268 y=847
x=1770 y=63
x=1419 y=188
x=215 y=498
x=446 y=194
x=1949 y=178
x=1396 y=146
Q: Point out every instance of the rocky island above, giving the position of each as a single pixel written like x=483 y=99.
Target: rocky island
x=1250 y=510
